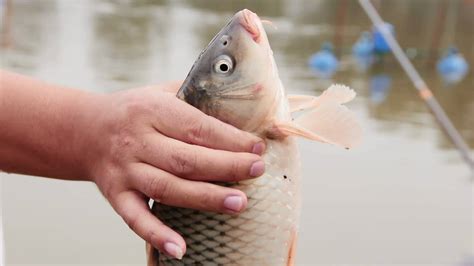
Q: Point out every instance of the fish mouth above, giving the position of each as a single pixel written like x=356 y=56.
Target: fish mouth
x=191 y=95
x=250 y=21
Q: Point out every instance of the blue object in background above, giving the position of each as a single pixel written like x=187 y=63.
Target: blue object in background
x=452 y=66
x=364 y=45
x=380 y=85
x=380 y=45
x=324 y=62
x=363 y=51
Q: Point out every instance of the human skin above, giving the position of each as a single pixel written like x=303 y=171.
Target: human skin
x=135 y=145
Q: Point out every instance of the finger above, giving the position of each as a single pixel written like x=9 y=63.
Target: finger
x=170 y=86
x=135 y=212
x=200 y=163
x=184 y=122
x=174 y=191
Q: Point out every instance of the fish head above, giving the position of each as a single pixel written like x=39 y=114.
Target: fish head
x=229 y=80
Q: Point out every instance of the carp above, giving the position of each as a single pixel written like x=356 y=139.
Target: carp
x=235 y=79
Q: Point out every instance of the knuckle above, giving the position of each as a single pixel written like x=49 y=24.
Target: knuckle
x=123 y=145
x=235 y=170
x=132 y=222
x=152 y=237
x=159 y=189
x=198 y=132
x=205 y=198
x=137 y=106
x=109 y=189
x=237 y=138
x=125 y=140
x=183 y=162
x=247 y=143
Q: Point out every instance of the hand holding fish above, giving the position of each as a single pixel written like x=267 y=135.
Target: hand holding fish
x=163 y=148
x=135 y=145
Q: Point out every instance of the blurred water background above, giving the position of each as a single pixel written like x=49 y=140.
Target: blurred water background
x=404 y=197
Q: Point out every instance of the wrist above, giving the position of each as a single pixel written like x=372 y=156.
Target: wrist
x=88 y=140
x=49 y=129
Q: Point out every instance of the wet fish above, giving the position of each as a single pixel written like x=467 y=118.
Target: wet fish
x=235 y=79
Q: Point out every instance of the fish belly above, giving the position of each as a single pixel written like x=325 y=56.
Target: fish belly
x=264 y=234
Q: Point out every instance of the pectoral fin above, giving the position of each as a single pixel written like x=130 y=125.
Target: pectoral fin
x=330 y=122
x=301 y=102
x=292 y=250
x=338 y=93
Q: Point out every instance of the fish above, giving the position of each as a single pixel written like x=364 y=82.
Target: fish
x=235 y=79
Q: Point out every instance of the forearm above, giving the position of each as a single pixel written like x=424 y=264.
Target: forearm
x=42 y=128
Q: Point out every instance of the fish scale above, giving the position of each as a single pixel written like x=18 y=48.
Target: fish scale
x=261 y=235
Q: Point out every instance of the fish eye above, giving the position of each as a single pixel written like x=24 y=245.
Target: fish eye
x=223 y=65
x=225 y=39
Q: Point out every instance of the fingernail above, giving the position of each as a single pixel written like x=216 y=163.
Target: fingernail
x=258 y=148
x=234 y=203
x=257 y=169
x=173 y=250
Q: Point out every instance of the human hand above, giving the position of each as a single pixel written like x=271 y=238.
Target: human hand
x=146 y=143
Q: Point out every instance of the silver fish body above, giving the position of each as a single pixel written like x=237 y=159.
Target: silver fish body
x=235 y=79
x=249 y=96
x=262 y=235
